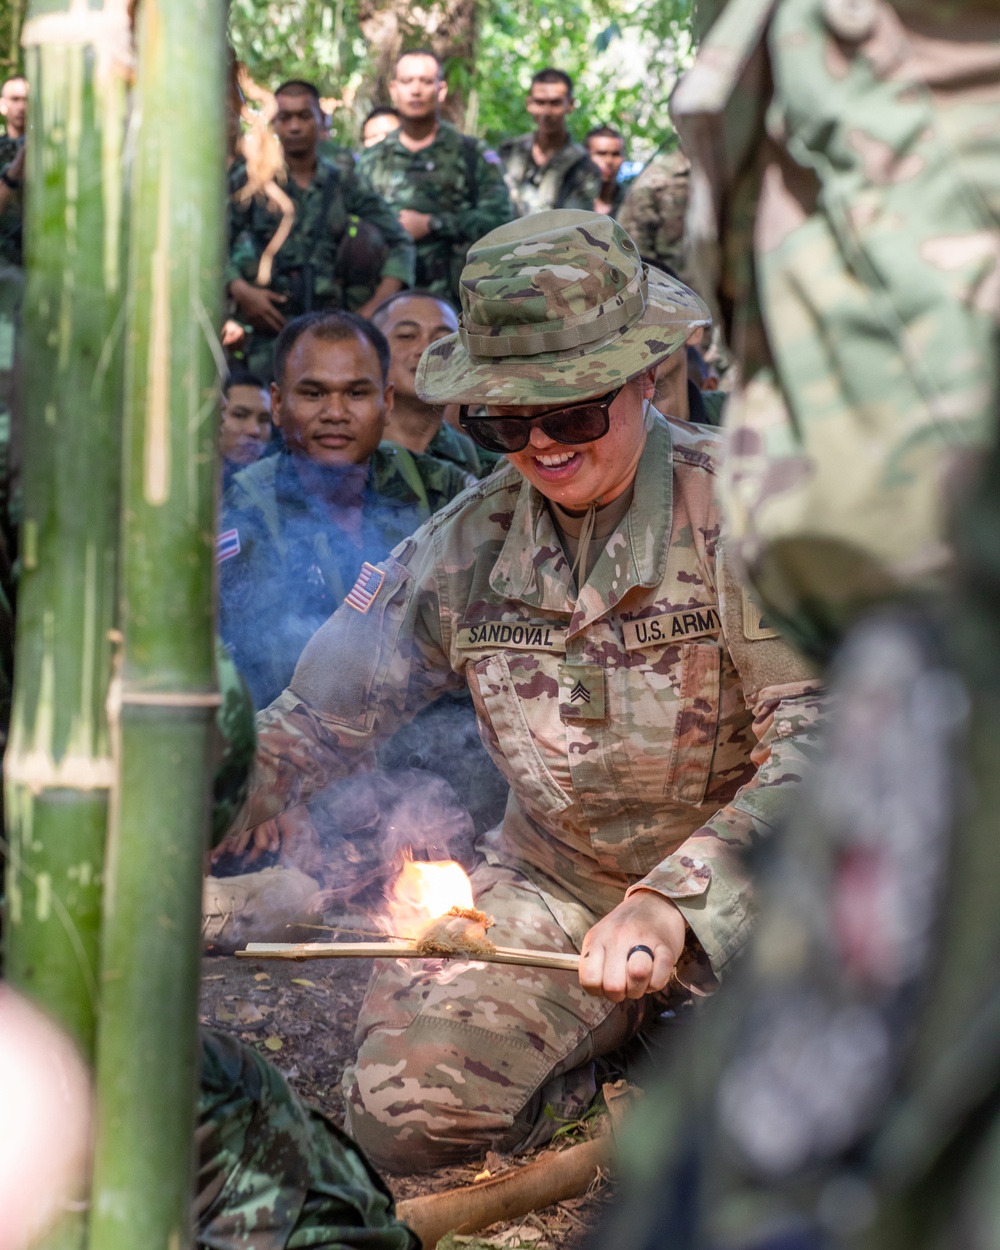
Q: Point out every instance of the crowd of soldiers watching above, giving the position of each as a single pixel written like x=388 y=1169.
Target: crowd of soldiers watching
x=381 y=235
x=342 y=268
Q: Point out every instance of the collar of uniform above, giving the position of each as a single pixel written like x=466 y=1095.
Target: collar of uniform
x=387 y=480
x=324 y=169
x=532 y=565
x=444 y=132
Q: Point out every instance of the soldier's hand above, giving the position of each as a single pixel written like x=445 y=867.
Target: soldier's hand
x=253 y=843
x=611 y=966
x=259 y=306
x=417 y=225
x=232 y=333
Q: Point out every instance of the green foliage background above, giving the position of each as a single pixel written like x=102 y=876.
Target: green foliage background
x=623 y=55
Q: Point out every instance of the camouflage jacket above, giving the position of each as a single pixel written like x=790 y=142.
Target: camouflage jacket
x=569 y=179
x=11 y=250
x=459 y=181
x=322 y=217
x=655 y=208
x=850 y=235
x=651 y=729
x=285 y=566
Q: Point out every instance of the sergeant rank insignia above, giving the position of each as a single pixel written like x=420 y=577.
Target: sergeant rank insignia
x=363 y=592
x=581 y=691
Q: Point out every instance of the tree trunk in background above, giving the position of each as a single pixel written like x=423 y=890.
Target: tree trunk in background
x=10 y=37
x=58 y=767
x=148 y=1043
x=447 y=27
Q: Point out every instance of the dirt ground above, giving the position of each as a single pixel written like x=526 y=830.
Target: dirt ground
x=301 y=1017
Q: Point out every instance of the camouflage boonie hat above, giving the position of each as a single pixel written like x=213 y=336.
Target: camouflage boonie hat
x=556 y=306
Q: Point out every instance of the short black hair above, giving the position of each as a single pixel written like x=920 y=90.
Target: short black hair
x=419 y=52
x=380 y=110
x=242 y=377
x=299 y=86
x=554 y=75
x=335 y=326
x=417 y=292
x=603 y=132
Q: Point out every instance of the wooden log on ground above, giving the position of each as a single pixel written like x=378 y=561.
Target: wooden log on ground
x=555 y=1175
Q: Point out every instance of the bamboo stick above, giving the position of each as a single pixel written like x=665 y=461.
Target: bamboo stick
x=165 y=704
x=406 y=950
x=58 y=770
x=555 y=1175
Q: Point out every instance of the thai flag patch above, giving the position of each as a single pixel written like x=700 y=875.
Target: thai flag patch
x=364 y=590
x=227 y=545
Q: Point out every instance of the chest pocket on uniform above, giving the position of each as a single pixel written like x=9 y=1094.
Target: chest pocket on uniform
x=514 y=747
x=697 y=722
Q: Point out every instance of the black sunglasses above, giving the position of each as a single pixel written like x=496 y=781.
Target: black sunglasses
x=578 y=423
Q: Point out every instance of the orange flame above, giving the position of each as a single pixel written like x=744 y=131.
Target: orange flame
x=425 y=891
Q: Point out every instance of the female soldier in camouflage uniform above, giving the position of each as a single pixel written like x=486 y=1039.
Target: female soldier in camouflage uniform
x=650 y=727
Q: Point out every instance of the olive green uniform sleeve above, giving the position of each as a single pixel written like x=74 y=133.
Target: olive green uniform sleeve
x=708 y=877
x=365 y=202
x=362 y=676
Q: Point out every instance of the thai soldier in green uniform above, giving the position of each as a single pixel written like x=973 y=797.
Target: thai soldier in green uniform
x=650 y=727
x=546 y=169
x=246 y=423
x=287 y=261
x=295 y=527
x=14 y=110
x=411 y=321
x=447 y=188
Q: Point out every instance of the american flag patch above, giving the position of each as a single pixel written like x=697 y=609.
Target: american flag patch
x=227 y=545
x=364 y=590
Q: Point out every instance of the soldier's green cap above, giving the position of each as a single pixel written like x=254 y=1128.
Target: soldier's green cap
x=556 y=307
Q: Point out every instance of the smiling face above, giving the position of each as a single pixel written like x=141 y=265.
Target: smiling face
x=411 y=324
x=417 y=88
x=246 y=424
x=331 y=403
x=597 y=472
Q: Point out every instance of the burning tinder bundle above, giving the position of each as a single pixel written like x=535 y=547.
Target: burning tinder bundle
x=432 y=916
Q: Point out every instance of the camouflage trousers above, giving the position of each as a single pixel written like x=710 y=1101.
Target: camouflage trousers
x=459 y=1058
x=275 y=1174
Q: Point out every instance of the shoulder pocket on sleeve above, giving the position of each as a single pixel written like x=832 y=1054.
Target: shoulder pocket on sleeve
x=343 y=668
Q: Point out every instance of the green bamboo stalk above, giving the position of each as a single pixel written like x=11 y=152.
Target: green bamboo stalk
x=148 y=1044
x=58 y=768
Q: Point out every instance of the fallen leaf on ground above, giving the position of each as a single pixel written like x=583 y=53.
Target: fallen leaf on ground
x=273 y=1043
